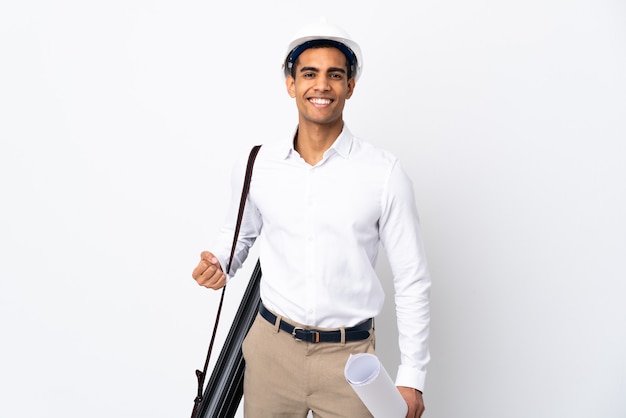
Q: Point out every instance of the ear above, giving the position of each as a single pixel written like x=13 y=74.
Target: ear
x=291 y=86
x=351 y=85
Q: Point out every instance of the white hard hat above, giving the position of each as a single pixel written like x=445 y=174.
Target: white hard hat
x=313 y=33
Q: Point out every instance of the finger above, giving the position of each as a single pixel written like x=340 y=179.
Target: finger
x=209 y=257
x=212 y=273
x=212 y=278
x=420 y=410
x=206 y=260
x=200 y=269
x=221 y=282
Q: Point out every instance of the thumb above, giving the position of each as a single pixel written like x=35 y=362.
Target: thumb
x=209 y=257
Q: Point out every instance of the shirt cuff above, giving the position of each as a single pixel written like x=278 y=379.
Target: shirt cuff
x=411 y=377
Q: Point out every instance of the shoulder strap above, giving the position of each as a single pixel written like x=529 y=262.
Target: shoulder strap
x=242 y=203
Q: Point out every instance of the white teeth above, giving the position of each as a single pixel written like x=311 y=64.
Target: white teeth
x=320 y=101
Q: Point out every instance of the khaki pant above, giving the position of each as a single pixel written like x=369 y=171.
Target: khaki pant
x=287 y=378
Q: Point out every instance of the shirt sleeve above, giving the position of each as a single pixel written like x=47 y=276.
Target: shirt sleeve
x=250 y=225
x=401 y=237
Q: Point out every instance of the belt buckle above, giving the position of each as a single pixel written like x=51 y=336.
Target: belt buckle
x=293 y=332
x=314 y=339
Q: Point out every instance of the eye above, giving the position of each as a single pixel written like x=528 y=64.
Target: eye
x=308 y=75
x=336 y=76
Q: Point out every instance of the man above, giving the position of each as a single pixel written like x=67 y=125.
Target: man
x=320 y=203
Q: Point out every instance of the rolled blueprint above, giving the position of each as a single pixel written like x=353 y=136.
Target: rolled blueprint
x=372 y=384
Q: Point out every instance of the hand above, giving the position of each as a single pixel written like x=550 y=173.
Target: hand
x=414 y=400
x=208 y=272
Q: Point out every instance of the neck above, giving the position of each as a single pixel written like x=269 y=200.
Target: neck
x=313 y=140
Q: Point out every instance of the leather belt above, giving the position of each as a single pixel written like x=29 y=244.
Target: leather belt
x=356 y=333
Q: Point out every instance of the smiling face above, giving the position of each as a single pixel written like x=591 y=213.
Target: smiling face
x=321 y=85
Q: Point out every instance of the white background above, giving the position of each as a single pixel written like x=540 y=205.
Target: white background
x=119 y=122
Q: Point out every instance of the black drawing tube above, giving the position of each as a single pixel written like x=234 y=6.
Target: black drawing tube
x=224 y=391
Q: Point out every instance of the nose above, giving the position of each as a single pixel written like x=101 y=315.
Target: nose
x=322 y=84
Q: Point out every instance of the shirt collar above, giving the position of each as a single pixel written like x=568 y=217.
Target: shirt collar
x=341 y=146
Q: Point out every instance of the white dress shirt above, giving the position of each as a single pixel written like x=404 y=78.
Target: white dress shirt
x=320 y=229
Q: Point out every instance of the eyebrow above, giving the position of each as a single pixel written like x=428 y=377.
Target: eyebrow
x=330 y=70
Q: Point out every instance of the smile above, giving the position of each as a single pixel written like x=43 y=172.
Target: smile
x=317 y=101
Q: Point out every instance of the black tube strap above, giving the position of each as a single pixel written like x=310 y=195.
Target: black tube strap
x=356 y=333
